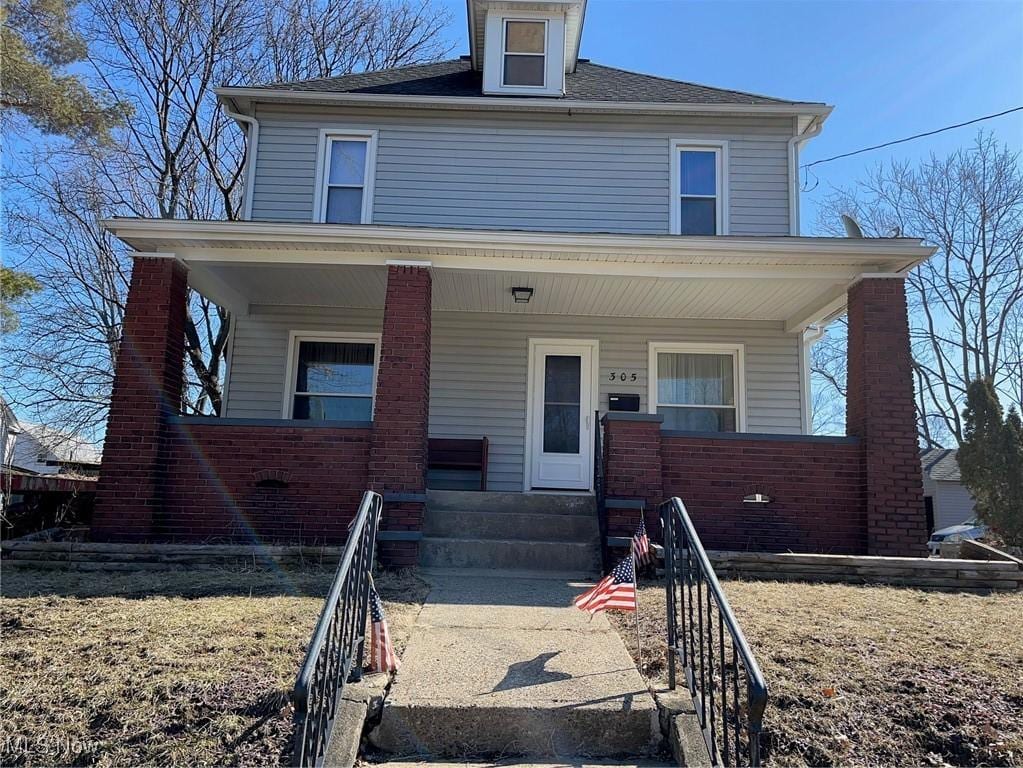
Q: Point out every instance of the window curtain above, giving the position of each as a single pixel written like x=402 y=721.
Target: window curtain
x=694 y=379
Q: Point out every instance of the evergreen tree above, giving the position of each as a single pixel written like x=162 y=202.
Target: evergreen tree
x=991 y=461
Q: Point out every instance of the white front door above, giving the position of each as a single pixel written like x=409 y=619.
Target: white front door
x=561 y=420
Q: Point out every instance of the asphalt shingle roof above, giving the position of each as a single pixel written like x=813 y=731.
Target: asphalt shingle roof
x=590 y=82
x=941 y=464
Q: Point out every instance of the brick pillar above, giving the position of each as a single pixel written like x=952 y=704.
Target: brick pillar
x=397 y=465
x=147 y=387
x=632 y=460
x=880 y=410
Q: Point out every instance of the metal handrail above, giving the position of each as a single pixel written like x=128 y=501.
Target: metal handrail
x=731 y=719
x=600 y=491
x=338 y=643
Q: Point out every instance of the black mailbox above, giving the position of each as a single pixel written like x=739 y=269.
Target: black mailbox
x=623 y=403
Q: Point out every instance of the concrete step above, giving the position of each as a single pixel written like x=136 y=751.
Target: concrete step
x=511 y=525
x=521 y=554
x=501 y=667
x=526 y=503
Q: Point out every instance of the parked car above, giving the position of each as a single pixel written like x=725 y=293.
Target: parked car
x=969 y=529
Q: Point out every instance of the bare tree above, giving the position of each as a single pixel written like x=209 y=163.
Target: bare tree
x=965 y=302
x=178 y=157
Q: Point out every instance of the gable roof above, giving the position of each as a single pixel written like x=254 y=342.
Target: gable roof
x=590 y=82
x=941 y=464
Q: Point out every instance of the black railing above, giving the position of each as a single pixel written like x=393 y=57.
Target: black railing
x=600 y=490
x=704 y=637
x=336 y=651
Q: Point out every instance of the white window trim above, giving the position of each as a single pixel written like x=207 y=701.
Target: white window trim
x=720 y=149
x=333 y=337
x=546 y=50
x=327 y=135
x=738 y=353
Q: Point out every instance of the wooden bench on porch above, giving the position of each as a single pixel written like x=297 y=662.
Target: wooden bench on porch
x=459 y=453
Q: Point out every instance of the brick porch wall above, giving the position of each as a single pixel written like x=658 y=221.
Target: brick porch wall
x=227 y=481
x=632 y=463
x=815 y=486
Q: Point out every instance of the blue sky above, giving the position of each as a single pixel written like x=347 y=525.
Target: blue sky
x=891 y=69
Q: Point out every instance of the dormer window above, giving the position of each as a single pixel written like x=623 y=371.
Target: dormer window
x=525 y=53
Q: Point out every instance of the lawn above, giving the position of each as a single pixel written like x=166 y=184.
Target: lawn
x=872 y=675
x=161 y=668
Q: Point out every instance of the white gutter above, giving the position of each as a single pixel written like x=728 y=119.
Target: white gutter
x=251 y=145
x=242 y=95
x=810 y=336
x=794 y=145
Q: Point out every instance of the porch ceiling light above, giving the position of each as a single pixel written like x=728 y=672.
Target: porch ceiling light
x=522 y=295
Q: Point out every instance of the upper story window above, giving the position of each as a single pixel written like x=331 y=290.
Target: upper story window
x=698 y=189
x=697 y=387
x=331 y=378
x=345 y=187
x=525 y=53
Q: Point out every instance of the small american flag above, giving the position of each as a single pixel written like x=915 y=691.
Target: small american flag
x=382 y=657
x=641 y=543
x=617 y=590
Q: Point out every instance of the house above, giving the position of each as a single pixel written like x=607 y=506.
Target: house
x=590 y=267
x=42 y=450
x=946 y=499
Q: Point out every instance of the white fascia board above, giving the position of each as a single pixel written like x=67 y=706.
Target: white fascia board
x=867 y=251
x=244 y=98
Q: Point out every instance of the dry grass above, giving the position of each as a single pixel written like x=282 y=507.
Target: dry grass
x=873 y=675
x=171 y=668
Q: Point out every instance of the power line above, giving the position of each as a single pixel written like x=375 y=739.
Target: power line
x=910 y=138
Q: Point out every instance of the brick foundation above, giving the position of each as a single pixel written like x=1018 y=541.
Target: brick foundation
x=815 y=486
x=880 y=410
x=147 y=390
x=400 y=420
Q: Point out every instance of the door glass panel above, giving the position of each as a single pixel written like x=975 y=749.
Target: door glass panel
x=561 y=407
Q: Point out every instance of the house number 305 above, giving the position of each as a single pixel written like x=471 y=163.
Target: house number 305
x=622 y=376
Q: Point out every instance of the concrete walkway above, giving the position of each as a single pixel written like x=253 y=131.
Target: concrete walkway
x=501 y=664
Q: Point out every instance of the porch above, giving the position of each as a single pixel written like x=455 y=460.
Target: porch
x=429 y=339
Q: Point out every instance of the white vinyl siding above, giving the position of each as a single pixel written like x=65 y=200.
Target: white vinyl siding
x=541 y=173
x=479 y=368
x=953 y=504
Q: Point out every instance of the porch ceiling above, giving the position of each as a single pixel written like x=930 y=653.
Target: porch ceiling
x=795 y=280
x=553 y=294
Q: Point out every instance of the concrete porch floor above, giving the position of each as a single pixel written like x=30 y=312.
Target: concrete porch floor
x=501 y=664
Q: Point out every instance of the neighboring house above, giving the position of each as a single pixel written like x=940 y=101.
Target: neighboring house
x=42 y=450
x=9 y=431
x=945 y=498
x=517 y=244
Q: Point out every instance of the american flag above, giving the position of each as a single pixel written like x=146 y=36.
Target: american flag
x=617 y=590
x=640 y=543
x=382 y=657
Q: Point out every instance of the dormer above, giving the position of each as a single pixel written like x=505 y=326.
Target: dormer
x=525 y=47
